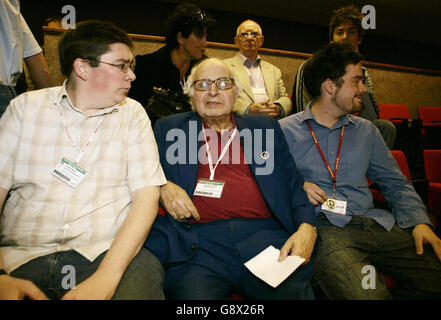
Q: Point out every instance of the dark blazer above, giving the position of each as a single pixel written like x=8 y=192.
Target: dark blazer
x=172 y=241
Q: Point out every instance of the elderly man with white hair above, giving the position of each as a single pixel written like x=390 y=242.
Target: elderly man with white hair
x=263 y=89
x=233 y=190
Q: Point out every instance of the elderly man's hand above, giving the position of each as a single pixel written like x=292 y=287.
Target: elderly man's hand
x=266 y=108
x=301 y=243
x=177 y=202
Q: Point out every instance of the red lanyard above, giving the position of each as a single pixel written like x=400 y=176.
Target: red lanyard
x=333 y=174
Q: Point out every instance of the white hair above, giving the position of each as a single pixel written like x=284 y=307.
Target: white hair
x=189 y=88
x=249 y=20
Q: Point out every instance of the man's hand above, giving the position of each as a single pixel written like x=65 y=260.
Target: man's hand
x=177 y=202
x=97 y=287
x=266 y=108
x=17 y=289
x=422 y=233
x=301 y=243
x=315 y=194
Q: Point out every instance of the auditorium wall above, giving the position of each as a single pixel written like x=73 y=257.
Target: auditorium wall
x=392 y=84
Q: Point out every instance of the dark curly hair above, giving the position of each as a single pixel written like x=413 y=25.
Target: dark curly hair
x=344 y=14
x=328 y=63
x=90 y=39
x=187 y=18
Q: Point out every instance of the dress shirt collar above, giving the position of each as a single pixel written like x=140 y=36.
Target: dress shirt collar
x=63 y=98
x=248 y=63
x=343 y=121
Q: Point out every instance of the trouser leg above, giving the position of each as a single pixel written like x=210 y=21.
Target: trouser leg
x=388 y=131
x=341 y=260
x=142 y=280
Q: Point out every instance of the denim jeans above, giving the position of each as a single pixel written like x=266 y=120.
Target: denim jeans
x=343 y=254
x=142 y=280
x=6 y=95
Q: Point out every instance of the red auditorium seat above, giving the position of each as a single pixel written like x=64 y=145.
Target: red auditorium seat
x=432 y=165
x=431 y=126
x=408 y=137
x=396 y=113
x=400 y=158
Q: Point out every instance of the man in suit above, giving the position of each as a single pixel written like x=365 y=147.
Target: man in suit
x=223 y=208
x=262 y=84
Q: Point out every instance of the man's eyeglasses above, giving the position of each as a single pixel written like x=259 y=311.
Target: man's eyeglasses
x=253 y=34
x=123 y=66
x=221 y=83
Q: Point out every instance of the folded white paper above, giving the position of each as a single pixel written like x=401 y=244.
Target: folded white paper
x=266 y=267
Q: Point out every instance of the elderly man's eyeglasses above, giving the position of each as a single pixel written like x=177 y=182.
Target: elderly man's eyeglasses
x=221 y=83
x=123 y=66
x=253 y=34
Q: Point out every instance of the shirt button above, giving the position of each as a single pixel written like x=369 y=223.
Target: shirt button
x=188 y=227
x=193 y=247
x=66 y=227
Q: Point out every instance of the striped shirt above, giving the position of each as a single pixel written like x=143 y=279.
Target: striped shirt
x=43 y=214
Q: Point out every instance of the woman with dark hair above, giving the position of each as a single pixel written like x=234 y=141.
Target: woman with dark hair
x=167 y=68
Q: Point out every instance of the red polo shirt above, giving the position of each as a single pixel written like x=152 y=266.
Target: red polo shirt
x=241 y=197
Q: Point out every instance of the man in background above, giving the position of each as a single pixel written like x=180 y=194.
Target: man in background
x=263 y=89
x=18 y=44
x=346 y=27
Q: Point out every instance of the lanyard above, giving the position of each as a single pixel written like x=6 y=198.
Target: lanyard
x=92 y=136
x=225 y=149
x=333 y=174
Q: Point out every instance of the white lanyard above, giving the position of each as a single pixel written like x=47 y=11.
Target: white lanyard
x=210 y=160
x=92 y=136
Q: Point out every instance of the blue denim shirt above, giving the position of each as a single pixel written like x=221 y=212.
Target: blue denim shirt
x=363 y=153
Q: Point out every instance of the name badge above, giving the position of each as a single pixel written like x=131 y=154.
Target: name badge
x=336 y=206
x=69 y=172
x=209 y=188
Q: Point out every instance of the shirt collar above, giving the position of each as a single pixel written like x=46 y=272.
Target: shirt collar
x=64 y=99
x=343 y=121
x=232 y=120
x=248 y=63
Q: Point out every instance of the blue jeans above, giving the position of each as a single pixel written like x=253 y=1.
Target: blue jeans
x=217 y=269
x=343 y=252
x=142 y=280
x=7 y=93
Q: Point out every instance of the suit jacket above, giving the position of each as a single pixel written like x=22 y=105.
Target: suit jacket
x=273 y=83
x=282 y=188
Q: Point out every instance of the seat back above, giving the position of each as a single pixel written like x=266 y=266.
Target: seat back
x=394 y=112
x=400 y=158
x=432 y=165
x=429 y=115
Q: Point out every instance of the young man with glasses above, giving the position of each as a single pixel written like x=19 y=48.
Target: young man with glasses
x=79 y=179
x=263 y=88
x=224 y=207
